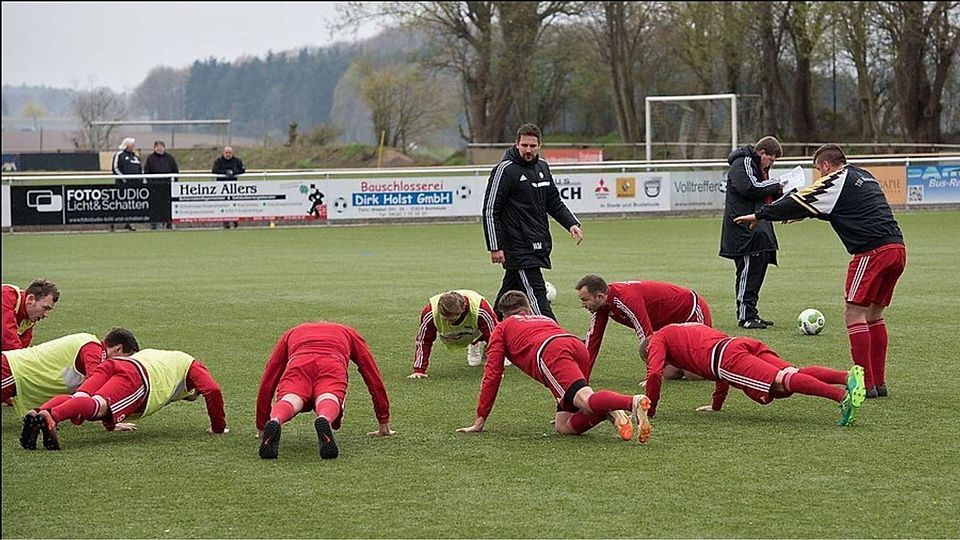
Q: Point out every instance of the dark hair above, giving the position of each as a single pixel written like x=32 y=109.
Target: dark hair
x=513 y=302
x=161 y=143
x=41 y=288
x=124 y=338
x=594 y=284
x=529 y=129
x=770 y=145
x=831 y=153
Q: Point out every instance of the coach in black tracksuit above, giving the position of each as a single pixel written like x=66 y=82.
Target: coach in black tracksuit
x=520 y=194
x=749 y=186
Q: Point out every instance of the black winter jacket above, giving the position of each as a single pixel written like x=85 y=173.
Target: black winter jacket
x=228 y=169
x=126 y=163
x=160 y=163
x=519 y=197
x=748 y=188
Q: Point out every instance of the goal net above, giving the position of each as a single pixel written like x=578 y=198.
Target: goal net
x=701 y=127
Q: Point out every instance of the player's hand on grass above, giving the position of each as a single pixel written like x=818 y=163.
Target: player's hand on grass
x=125 y=426
x=576 y=233
x=707 y=408
x=384 y=431
x=497 y=257
x=417 y=375
x=642 y=384
x=477 y=427
x=225 y=431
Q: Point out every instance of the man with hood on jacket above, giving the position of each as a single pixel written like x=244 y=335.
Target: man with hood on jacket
x=749 y=187
x=520 y=195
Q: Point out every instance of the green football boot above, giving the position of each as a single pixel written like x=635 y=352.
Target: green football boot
x=856 y=393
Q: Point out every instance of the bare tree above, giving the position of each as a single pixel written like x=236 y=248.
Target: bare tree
x=161 y=94
x=800 y=21
x=491 y=45
x=33 y=111
x=622 y=33
x=405 y=103
x=769 y=25
x=98 y=104
x=854 y=23
x=924 y=37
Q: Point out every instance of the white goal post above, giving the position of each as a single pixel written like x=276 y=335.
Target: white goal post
x=732 y=98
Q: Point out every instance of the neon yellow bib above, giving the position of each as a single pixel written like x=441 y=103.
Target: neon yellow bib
x=167 y=371
x=461 y=335
x=46 y=370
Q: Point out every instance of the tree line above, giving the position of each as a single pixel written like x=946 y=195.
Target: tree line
x=852 y=71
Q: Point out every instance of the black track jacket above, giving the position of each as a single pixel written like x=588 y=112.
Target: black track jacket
x=519 y=197
x=748 y=188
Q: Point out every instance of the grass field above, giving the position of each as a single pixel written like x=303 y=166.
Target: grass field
x=225 y=296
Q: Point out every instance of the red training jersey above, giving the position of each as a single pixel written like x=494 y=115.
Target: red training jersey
x=521 y=338
x=690 y=347
x=644 y=306
x=13 y=337
x=327 y=342
x=427 y=334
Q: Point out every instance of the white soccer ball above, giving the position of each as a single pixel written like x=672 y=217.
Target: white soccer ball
x=810 y=322
x=551 y=291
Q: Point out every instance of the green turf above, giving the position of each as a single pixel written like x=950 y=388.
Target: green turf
x=785 y=470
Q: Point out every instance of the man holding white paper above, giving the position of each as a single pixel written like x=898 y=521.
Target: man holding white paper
x=749 y=186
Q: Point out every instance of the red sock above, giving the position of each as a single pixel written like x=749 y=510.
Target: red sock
x=75 y=409
x=827 y=375
x=55 y=400
x=282 y=410
x=581 y=422
x=802 y=383
x=329 y=409
x=878 y=350
x=605 y=401
x=859 y=335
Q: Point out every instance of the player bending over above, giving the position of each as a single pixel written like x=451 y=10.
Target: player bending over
x=746 y=364
x=308 y=370
x=554 y=358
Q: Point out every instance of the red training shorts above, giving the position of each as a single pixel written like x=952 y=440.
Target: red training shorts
x=122 y=384
x=751 y=366
x=871 y=276
x=560 y=366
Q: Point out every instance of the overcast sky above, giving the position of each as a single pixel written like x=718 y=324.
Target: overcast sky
x=86 y=44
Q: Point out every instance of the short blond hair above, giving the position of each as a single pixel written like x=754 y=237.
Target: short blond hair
x=450 y=304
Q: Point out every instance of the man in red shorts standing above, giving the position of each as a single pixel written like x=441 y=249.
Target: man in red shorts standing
x=553 y=357
x=746 y=364
x=851 y=199
x=644 y=306
x=126 y=388
x=308 y=370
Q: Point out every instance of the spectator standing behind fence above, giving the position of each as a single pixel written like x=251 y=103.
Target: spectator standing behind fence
x=228 y=167
x=160 y=162
x=126 y=163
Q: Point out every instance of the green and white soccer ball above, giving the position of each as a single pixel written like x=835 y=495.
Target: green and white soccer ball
x=810 y=322
x=551 y=292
